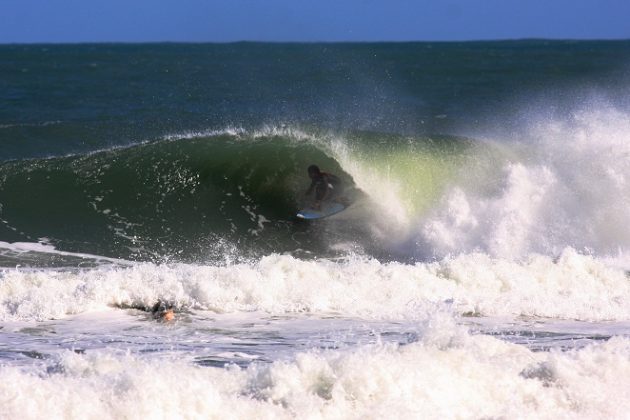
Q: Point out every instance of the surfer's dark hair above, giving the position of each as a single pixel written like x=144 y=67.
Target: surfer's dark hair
x=313 y=169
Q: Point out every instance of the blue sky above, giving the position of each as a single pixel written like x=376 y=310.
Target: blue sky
x=309 y=20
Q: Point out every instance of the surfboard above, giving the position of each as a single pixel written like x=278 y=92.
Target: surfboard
x=327 y=209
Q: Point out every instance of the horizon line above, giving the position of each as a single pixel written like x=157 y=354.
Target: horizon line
x=245 y=41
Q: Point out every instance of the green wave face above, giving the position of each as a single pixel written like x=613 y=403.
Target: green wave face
x=215 y=196
x=415 y=170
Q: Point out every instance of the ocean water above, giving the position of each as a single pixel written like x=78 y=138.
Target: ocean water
x=481 y=271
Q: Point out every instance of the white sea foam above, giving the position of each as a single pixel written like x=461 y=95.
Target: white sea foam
x=572 y=286
x=44 y=248
x=447 y=374
x=571 y=189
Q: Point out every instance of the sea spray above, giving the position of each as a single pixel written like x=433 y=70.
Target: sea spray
x=569 y=189
x=573 y=286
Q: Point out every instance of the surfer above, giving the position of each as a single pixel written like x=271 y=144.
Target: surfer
x=163 y=311
x=326 y=186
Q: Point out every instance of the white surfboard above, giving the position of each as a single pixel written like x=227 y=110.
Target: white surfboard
x=326 y=209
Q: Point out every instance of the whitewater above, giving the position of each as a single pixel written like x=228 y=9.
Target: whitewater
x=482 y=270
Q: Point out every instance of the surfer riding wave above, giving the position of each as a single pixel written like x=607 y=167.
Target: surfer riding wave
x=327 y=187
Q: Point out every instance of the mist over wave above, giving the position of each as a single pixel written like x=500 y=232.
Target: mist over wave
x=568 y=186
